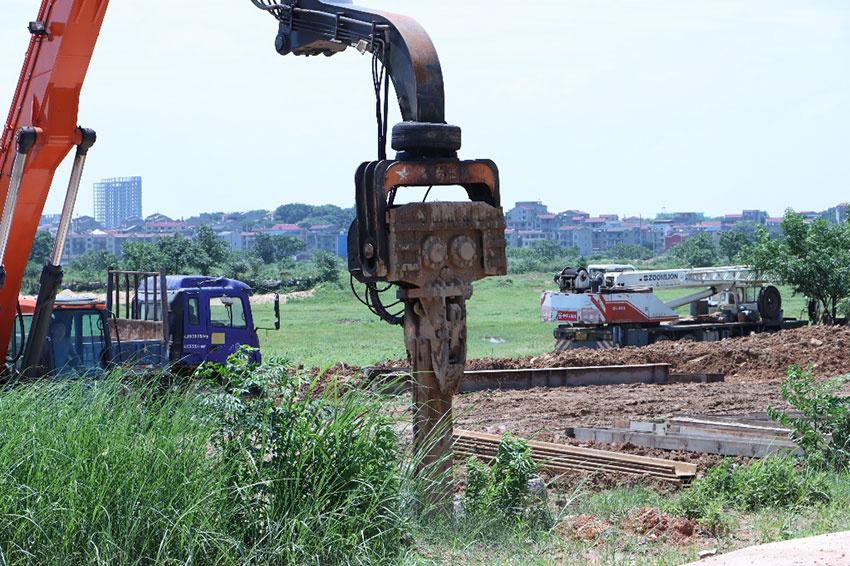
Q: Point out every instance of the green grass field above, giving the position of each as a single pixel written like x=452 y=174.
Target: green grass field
x=503 y=318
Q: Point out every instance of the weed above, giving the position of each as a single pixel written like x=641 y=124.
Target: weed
x=715 y=519
x=771 y=482
x=263 y=472
x=823 y=430
x=318 y=474
x=499 y=494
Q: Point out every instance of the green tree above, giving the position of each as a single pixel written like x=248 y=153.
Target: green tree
x=746 y=228
x=292 y=213
x=42 y=246
x=287 y=246
x=92 y=265
x=272 y=249
x=624 y=252
x=546 y=250
x=732 y=242
x=177 y=252
x=142 y=256
x=264 y=248
x=697 y=251
x=327 y=265
x=814 y=259
x=208 y=251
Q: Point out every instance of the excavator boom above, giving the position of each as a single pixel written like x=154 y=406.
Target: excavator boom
x=63 y=37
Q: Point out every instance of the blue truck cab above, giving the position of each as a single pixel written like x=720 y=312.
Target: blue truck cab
x=206 y=319
x=209 y=318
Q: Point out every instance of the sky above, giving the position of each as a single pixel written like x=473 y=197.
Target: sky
x=628 y=107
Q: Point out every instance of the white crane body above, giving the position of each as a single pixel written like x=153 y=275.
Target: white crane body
x=603 y=308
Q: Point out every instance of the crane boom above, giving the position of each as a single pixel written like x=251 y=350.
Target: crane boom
x=684 y=278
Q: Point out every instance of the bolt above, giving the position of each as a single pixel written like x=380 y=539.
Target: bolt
x=369 y=250
x=462 y=251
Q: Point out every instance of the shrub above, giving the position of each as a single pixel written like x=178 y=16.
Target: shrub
x=498 y=495
x=823 y=430
x=770 y=482
x=319 y=474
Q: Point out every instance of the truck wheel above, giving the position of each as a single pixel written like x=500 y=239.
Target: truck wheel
x=769 y=303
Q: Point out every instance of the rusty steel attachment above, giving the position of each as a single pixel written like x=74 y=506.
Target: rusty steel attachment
x=432 y=251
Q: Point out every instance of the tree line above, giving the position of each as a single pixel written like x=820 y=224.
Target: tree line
x=270 y=259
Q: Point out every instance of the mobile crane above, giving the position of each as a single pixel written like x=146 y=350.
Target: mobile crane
x=607 y=307
x=430 y=252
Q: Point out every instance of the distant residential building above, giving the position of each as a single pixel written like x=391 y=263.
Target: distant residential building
x=234 y=239
x=523 y=215
x=687 y=217
x=755 y=216
x=836 y=214
x=579 y=237
x=167 y=228
x=83 y=224
x=322 y=237
x=526 y=237
x=774 y=226
x=731 y=219
x=606 y=237
x=672 y=241
x=117 y=199
x=546 y=222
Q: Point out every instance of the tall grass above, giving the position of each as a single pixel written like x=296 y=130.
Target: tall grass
x=102 y=472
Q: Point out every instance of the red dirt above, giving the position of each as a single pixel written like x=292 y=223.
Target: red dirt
x=586 y=527
x=759 y=356
x=652 y=522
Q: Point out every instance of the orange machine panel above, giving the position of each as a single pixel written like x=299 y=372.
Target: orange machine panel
x=47 y=96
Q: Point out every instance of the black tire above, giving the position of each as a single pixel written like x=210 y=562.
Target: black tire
x=425 y=135
x=770 y=303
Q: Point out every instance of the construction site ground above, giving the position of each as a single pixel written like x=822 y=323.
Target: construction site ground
x=753 y=366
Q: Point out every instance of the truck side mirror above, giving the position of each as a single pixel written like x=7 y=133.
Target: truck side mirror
x=276 y=311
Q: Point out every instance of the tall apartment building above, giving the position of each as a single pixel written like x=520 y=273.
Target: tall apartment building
x=117 y=199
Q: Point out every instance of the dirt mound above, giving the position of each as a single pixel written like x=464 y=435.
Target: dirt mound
x=652 y=523
x=759 y=356
x=586 y=527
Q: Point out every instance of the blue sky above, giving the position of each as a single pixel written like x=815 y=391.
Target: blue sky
x=625 y=107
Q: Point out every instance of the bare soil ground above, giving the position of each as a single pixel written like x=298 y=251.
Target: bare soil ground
x=756 y=357
x=753 y=365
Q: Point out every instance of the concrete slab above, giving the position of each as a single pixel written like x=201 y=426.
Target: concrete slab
x=824 y=550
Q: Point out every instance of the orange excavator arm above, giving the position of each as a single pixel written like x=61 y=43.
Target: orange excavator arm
x=46 y=99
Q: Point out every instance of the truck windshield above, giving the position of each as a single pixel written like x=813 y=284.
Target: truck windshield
x=227 y=312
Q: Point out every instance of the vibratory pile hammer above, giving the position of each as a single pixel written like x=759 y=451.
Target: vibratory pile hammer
x=431 y=252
